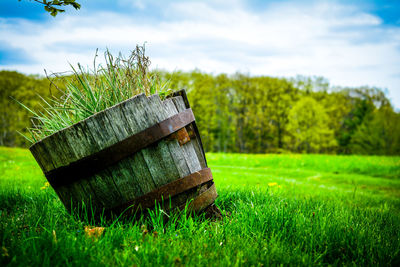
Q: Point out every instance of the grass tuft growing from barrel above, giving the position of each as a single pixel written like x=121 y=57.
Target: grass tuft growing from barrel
x=93 y=90
x=297 y=210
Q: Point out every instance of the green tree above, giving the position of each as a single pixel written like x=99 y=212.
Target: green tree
x=261 y=106
x=360 y=103
x=202 y=98
x=281 y=96
x=308 y=129
x=13 y=118
x=378 y=134
x=310 y=84
x=244 y=98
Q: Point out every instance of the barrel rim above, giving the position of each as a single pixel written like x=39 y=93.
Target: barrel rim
x=86 y=119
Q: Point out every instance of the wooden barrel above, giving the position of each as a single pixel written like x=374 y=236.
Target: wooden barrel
x=129 y=156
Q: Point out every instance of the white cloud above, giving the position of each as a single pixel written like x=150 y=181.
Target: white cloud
x=342 y=43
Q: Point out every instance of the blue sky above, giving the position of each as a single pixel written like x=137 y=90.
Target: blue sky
x=351 y=43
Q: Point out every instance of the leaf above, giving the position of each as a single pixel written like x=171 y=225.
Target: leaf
x=94 y=232
x=76 y=5
x=53 y=12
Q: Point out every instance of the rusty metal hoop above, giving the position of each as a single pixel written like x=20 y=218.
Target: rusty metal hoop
x=172 y=189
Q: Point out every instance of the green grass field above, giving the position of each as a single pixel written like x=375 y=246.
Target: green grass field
x=278 y=209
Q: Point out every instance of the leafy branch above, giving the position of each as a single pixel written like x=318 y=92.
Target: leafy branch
x=54 y=7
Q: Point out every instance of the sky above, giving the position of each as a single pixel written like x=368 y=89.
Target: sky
x=351 y=43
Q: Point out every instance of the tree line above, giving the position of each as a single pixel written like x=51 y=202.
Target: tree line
x=248 y=114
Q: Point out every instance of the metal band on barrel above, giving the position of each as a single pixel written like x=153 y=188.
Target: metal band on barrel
x=90 y=165
x=203 y=200
x=169 y=190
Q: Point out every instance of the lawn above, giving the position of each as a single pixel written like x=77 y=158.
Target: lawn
x=278 y=209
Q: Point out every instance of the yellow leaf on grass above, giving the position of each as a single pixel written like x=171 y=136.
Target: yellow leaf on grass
x=94 y=232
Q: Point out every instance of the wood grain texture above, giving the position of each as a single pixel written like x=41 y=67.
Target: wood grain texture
x=182 y=103
x=132 y=177
x=192 y=150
